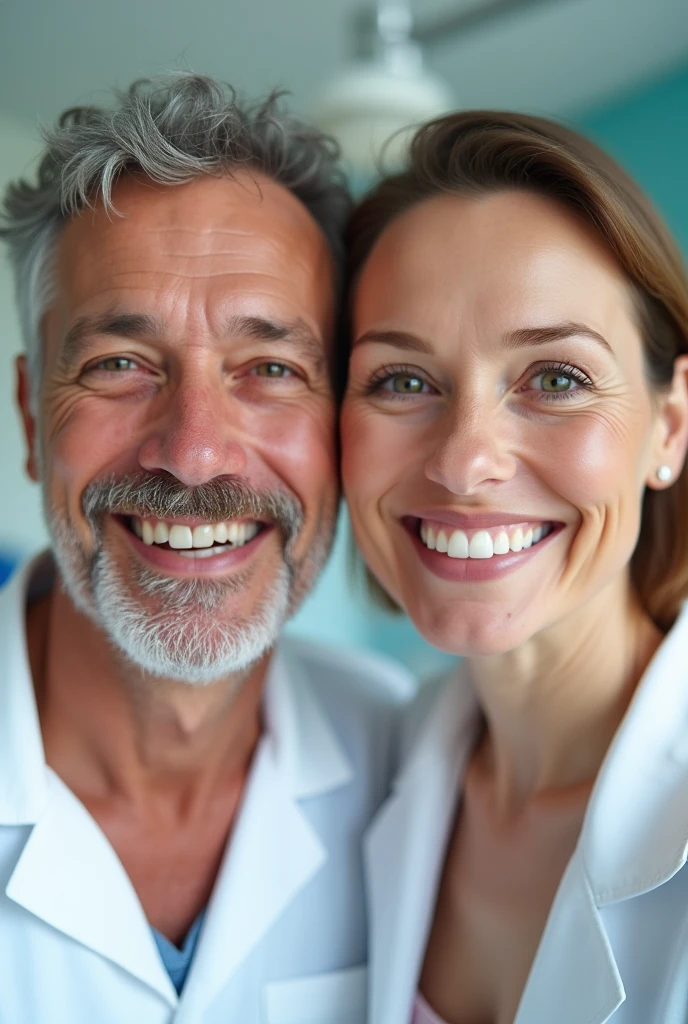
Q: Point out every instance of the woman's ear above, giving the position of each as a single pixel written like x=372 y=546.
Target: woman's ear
x=23 y=393
x=671 y=435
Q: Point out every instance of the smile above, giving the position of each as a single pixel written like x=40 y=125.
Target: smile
x=499 y=540
x=202 y=540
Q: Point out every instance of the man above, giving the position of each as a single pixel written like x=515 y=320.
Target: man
x=174 y=789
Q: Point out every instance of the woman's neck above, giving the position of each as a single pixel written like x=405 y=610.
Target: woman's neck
x=553 y=705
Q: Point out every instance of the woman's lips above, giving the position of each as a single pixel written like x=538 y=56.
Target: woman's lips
x=475 y=554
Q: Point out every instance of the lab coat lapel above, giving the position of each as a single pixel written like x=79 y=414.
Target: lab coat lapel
x=574 y=978
x=405 y=851
x=633 y=839
x=274 y=850
x=69 y=876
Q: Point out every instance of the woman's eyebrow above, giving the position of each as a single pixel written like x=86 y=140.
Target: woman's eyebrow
x=553 y=332
x=400 y=339
x=520 y=338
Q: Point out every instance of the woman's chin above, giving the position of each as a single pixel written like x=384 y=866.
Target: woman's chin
x=471 y=632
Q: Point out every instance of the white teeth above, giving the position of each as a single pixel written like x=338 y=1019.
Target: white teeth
x=220 y=533
x=161 y=533
x=516 y=542
x=481 y=545
x=180 y=537
x=206 y=552
x=203 y=536
x=458 y=545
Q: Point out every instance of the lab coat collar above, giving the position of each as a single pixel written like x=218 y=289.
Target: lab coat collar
x=405 y=850
x=69 y=875
x=274 y=851
x=634 y=838
x=23 y=778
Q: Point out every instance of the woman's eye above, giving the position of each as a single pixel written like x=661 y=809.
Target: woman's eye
x=272 y=370
x=116 y=364
x=553 y=381
x=406 y=384
x=556 y=382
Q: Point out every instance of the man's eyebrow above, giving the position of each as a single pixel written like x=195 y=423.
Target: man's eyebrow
x=554 y=332
x=399 y=339
x=120 y=325
x=295 y=332
x=142 y=325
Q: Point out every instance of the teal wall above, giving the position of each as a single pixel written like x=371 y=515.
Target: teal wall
x=648 y=133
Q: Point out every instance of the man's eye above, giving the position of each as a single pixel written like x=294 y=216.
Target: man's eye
x=272 y=370
x=115 y=364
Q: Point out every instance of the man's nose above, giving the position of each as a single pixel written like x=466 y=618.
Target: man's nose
x=472 y=447
x=197 y=437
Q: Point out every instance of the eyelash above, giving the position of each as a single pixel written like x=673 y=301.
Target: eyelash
x=566 y=370
x=387 y=373
x=100 y=367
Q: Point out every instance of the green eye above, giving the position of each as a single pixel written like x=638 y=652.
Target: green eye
x=274 y=370
x=115 y=364
x=556 y=382
x=407 y=384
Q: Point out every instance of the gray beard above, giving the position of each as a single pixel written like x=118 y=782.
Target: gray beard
x=178 y=629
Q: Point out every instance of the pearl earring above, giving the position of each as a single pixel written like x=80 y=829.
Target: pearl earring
x=664 y=474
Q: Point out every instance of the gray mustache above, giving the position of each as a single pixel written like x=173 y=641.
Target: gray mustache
x=164 y=497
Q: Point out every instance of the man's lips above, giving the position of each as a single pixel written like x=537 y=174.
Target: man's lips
x=186 y=559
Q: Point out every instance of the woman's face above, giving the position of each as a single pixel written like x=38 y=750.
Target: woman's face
x=498 y=428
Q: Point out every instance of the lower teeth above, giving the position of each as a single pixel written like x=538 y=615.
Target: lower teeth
x=217 y=549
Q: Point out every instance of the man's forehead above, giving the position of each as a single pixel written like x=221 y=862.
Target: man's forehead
x=206 y=246
x=247 y=203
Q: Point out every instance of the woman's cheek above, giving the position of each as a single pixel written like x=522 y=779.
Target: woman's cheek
x=594 y=461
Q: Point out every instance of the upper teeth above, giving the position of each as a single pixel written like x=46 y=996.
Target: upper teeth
x=187 y=537
x=481 y=543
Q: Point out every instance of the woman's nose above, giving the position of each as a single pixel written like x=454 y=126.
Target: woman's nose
x=197 y=438
x=471 y=448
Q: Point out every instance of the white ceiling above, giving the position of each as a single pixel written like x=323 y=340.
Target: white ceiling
x=555 y=58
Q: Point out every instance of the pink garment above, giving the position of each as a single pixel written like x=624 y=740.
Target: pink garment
x=424 y=1014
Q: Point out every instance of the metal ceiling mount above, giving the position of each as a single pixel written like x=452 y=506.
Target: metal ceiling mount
x=373 y=104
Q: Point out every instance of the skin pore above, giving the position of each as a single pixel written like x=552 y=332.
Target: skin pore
x=185 y=336
x=497 y=377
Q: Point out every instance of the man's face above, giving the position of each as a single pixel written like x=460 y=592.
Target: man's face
x=186 y=433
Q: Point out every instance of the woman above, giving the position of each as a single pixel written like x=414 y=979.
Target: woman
x=514 y=435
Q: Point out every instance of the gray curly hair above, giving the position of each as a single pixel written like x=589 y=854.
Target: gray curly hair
x=172 y=129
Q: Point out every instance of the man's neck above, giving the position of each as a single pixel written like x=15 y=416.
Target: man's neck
x=109 y=730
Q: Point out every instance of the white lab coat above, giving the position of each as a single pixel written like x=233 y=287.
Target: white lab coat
x=284 y=937
x=615 y=946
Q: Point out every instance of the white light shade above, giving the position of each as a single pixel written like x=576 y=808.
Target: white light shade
x=369 y=102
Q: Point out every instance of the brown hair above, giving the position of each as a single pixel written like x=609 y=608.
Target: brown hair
x=477 y=152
